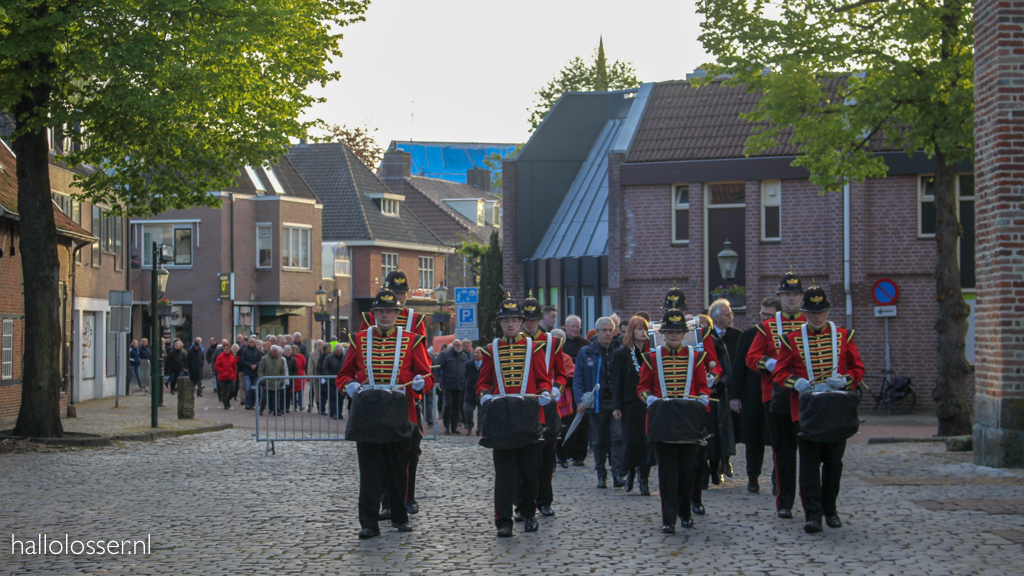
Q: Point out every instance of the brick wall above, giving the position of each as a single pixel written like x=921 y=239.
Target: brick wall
x=367 y=268
x=512 y=273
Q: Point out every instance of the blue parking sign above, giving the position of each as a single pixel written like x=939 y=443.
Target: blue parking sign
x=467 y=295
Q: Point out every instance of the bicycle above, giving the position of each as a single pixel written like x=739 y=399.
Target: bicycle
x=896 y=394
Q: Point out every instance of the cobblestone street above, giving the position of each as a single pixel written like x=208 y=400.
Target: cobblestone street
x=213 y=504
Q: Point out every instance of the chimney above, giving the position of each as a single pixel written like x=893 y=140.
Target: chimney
x=395 y=164
x=479 y=177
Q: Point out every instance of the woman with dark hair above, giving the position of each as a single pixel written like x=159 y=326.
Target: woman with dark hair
x=638 y=455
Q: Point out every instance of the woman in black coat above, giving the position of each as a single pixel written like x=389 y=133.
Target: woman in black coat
x=638 y=455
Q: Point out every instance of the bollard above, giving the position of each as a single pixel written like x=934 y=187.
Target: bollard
x=186 y=399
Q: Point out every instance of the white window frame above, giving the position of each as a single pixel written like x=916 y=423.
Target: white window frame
x=389 y=207
x=256 y=182
x=342 y=262
x=771 y=197
x=386 y=266
x=147 y=251
x=426 y=282
x=290 y=233
x=7 y=349
x=921 y=200
x=676 y=206
x=274 y=182
x=270 y=239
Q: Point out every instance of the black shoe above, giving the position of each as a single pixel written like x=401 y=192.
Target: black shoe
x=248 y=407
x=785 y=513
x=618 y=481
x=401 y=527
x=412 y=507
x=812 y=526
x=698 y=508
x=368 y=533
x=518 y=517
x=578 y=463
x=546 y=511
x=833 y=522
x=602 y=482
x=686 y=522
x=727 y=468
x=645 y=490
x=199 y=394
x=668 y=529
x=564 y=463
x=630 y=476
x=505 y=532
x=531 y=525
x=753 y=487
x=716 y=478
x=385 y=514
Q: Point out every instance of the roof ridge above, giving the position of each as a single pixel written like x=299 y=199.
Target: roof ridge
x=460 y=218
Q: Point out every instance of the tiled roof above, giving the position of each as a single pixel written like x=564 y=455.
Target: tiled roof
x=436 y=191
x=342 y=183
x=9 y=198
x=686 y=123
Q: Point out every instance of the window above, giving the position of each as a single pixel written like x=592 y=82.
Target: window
x=388 y=264
x=726 y=193
x=295 y=247
x=342 y=264
x=118 y=243
x=497 y=214
x=771 y=210
x=177 y=235
x=264 y=247
x=7 y=350
x=274 y=182
x=427 y=272
x=480 y=213
x=926 y=207
x=680 y=214
x=256 y=182
x=389 y=207
x=965 y=207
x=97 y=231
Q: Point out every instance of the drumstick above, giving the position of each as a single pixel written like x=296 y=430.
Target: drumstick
x=692 y=397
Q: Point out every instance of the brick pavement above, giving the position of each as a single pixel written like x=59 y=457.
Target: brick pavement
x=214 y=505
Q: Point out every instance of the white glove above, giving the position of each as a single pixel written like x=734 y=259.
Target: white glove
x=711 y=379
x=555 y=393
x=485 y=398
x=352 y=389
x=651 y=399
x=801 y=385
x=703 y=399
x=770 y=364
x=418 y=383
x=544 y=399
x=836 y=382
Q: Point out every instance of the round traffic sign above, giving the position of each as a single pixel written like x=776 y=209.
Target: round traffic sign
x=885 y=292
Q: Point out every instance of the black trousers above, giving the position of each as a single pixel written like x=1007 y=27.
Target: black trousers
x=515 y=477
x=821 y=469
x=605 y=442
x=225 y=390
x=545 y=473
x=677 y=469
x=452 y=406
x=576 y=447
x=700 y=474
x=467 y=415
x=413 y=455
x=753 y=433
x=784 y=448
x=382 y=469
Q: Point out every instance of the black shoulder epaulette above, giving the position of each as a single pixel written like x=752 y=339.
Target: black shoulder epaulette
x=647 y=360
x=849 y=334
x=558 y=343
x=539 y=345
x=420 y=321
x=760 y=328
x=367 y=319
x=487 y=349
x=351 y=340
x=703 y=355
x=419 y=340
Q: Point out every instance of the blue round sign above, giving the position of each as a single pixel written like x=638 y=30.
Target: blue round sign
x=885 y=292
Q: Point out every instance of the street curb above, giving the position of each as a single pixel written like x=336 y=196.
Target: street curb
x=95 y=441
x=899 y=440
x=150 y=436
x=82 y=441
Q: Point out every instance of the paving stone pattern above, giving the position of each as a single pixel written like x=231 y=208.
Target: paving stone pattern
x=213 y=504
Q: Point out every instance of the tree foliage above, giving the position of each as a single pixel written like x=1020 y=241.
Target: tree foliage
x=841 y=80
x=491 y=293
x=493 y=161
x=475 y=252
x=581 y=76
x=360 y=140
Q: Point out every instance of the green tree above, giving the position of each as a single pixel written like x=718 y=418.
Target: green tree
x=581 y=76
x=475 y=252
x=491 y=292
x=837 y=78
x=493 y=162
x=360 y=140
x=166 y=98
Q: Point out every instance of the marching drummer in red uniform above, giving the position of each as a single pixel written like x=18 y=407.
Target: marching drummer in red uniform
x=396 y=357
x=763 y=356
x=514 y=364
x=819 y=354
x=674 y=370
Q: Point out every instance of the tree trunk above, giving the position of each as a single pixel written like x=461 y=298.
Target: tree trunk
x=951 y=386
x=39 y=415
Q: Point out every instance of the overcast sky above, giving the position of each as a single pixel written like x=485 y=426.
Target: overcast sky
x=468 y=70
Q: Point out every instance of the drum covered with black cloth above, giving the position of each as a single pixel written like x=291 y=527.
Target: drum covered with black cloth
x=552 y=422
x=828 y=416
x=509 y=422
x=379 y=416
x=676 y=420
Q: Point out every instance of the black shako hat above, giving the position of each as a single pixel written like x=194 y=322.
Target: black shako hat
x=674 y=319
x=396 y=282
x=532 y=309
x=509 y=308
x=675 y=299
x=815 y=300
x=790 y=282
x=385 y=300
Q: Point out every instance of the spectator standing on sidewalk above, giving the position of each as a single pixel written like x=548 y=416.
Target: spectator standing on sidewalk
x=469 y=399
x=452 y=368
x=145 y=359
x=332 y=365
x=312 y=369
x=134 y=360
x=250 y=360
x=196 y=361
x=273 y=364
x=300 y=370
x=175 y=363
x=226 y=369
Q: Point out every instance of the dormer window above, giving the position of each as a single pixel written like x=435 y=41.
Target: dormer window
x=389 y=207
x=387 y=202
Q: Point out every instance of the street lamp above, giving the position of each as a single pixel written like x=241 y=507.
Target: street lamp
x=727 y=260
x=158 y=284
x=441 y=293
x=321 y=301
x=321 y=298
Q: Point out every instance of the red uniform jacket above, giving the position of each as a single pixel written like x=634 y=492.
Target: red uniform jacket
x=415 y=360
x=557 y=375
x=792 y=364
x=676 y=364
x=513 y=360
x=417 y=325
x=766 y=345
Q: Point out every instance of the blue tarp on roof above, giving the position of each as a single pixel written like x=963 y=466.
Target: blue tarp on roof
x=449 y=160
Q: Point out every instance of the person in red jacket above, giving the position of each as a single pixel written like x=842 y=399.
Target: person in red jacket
x=396 y=358
x=300 y=385
x=226 y=368
x=409 y=320
x=819 y=353
x=681 y=374
x=515 y=470
x=763 y=356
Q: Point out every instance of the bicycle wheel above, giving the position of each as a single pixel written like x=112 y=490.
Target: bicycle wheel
x=904 y=405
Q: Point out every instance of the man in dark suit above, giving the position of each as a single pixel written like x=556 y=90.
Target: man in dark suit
x=745 y=399
x=721 y=313
x=469 y=397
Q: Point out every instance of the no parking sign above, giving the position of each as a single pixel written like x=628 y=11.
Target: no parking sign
x=885 y=292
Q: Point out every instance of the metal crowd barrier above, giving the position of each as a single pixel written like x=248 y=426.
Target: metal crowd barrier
x=286 y=422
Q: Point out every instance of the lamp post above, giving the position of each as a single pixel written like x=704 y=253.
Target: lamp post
x=727 y=260
x=441 y=292
x=158 y=284
x=321 y=302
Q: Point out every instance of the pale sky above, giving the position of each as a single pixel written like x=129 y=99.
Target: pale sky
x=468 y=70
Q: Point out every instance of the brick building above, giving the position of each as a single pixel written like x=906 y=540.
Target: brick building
x=679 y=186
x=373 y=229
x=266 y=234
